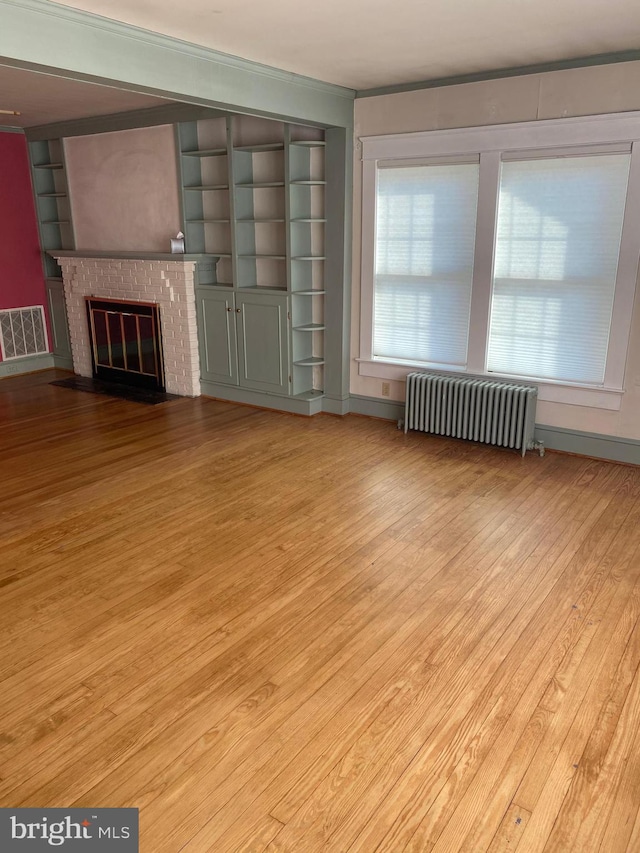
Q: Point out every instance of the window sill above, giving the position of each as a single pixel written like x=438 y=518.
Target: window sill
x=548 y=392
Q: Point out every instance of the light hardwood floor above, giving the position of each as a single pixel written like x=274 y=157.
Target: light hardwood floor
x=273 y=633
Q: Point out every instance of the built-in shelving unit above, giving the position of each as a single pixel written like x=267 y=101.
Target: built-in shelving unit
x=53 y=209
x=259 y=200
x=253 y=196
x=207 y=197
x=307 y=244
x=52 y=200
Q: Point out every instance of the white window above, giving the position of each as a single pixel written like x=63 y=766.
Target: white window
x=555 y=263
x=426 y=222
x=483 y=255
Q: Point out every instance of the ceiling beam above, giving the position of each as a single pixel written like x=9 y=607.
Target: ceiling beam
x=43 y=36
x=146 y=117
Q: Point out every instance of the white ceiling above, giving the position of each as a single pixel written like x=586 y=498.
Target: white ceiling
x=358 y=43
x=369 y=43
x=42 y=99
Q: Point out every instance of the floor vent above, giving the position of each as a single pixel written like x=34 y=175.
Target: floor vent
x=23 y=332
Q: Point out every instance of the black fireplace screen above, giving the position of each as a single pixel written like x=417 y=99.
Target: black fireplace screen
x=125 y=342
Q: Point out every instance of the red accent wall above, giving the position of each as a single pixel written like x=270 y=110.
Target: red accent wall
x=21 y=276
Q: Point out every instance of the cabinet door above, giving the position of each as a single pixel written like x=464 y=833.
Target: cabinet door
x=58 y=316
x=217 y=336
x=263 y=341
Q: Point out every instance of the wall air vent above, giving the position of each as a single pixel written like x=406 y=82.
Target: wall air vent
x=23 y=332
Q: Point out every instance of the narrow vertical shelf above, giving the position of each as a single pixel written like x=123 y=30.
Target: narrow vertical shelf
x=53 y=208
x=306 y=182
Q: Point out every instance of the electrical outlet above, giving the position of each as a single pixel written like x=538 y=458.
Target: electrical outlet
x=386 y=389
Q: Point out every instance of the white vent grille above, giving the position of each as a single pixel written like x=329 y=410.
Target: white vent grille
x=23 y=332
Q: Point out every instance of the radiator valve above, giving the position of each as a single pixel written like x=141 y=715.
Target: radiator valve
x=539 y=446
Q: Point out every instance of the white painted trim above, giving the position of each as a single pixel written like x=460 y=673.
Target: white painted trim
x=367 y=262
x=488 y=192
x=626 y=278
x=525 y=136
x=551 y=392
x=492 y=142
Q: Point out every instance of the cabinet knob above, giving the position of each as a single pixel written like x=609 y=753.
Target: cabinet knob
x=238 y=310
x=229 y=309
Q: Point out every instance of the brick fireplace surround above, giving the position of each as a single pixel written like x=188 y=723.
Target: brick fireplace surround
x=164 y=279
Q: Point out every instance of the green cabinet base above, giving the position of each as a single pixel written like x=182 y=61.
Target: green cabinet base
x=303 y=405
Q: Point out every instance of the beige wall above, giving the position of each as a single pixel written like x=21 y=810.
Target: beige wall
x=124 y=189
x=557 y=94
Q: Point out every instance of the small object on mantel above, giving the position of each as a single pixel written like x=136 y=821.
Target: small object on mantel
x=177 y=244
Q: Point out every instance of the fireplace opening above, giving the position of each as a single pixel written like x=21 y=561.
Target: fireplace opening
x=126 y=345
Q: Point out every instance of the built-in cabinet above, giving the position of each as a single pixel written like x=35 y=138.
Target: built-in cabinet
x=253 y=196
x=244 y=339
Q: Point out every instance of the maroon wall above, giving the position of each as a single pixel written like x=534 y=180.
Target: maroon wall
x=21 y=277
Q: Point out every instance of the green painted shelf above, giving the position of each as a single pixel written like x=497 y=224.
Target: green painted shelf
x=267 y=256
x=262 y=288
x=309 y=362
x=201 y=221
x=309 y=327
x=307 y=396
x=209 y=285
x=260 y=185
x=209 y=188
x=265 y=146
x=206 y=152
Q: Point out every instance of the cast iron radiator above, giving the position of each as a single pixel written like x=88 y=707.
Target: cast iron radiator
x=484 y=410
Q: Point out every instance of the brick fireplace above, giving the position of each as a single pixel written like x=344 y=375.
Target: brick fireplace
x=166 y=280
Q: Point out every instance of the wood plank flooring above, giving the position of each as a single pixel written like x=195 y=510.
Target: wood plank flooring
x=276 y=634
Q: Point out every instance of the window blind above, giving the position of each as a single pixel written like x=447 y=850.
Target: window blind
x=425 y=237
x=556 y=255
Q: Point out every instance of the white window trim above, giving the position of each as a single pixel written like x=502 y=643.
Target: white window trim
x=492 y=142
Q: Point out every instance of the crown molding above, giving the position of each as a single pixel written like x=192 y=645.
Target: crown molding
x=501 y=73
x=44 y=36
